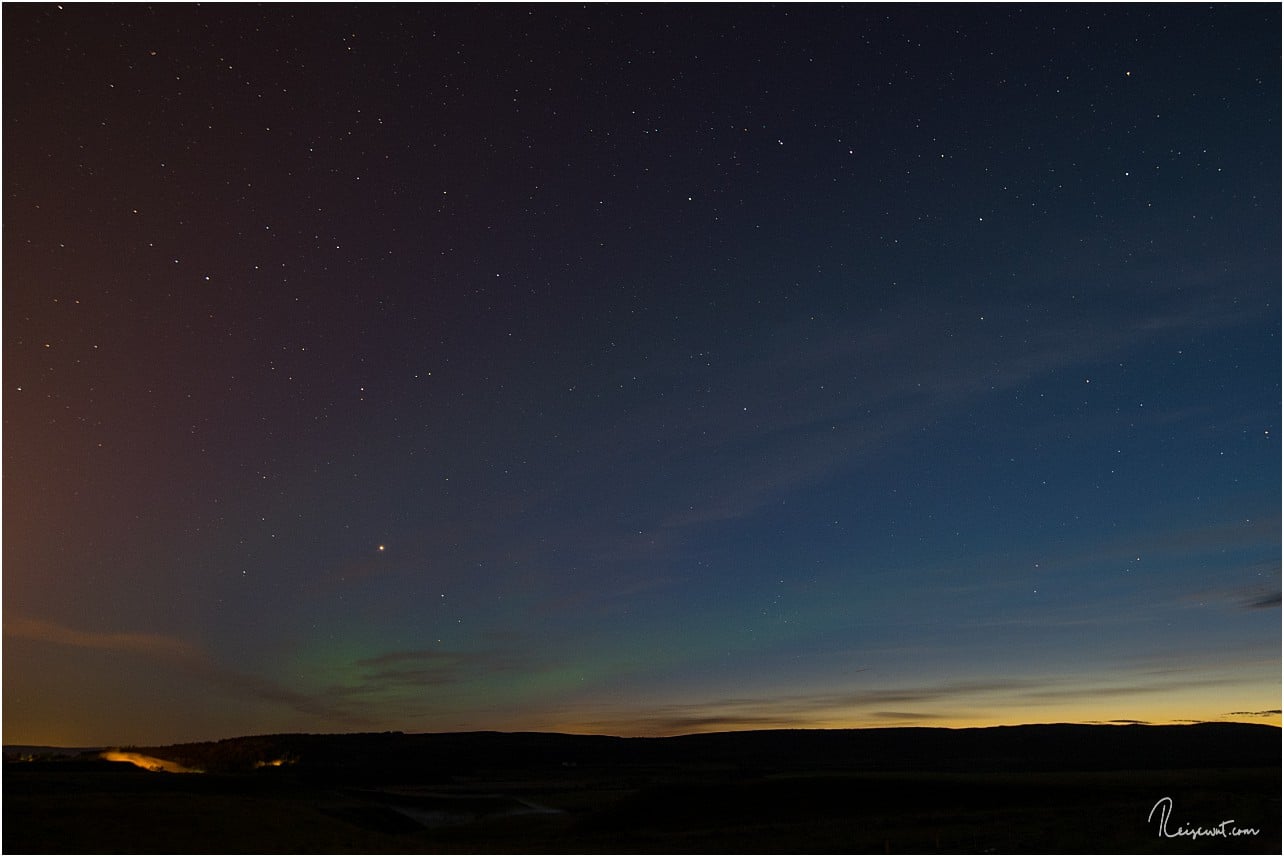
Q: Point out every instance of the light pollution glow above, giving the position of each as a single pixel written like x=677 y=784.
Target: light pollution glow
x=149 y=763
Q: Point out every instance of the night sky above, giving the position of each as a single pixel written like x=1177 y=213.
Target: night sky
x=638 y=370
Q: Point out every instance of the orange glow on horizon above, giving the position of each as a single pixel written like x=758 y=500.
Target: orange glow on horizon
x=149 y=763
x=723 y=721
x=272 y=763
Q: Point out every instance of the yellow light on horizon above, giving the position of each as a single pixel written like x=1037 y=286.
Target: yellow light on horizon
x=149 y=763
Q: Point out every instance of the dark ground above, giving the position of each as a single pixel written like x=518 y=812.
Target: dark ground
x=1038 y=789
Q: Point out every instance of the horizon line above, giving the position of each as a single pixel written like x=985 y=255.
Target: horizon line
x=1089 y=723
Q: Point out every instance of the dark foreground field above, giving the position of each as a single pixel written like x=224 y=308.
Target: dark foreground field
x=1036 y=789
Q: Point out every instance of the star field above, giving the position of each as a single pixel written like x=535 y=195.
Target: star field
x=638 y=370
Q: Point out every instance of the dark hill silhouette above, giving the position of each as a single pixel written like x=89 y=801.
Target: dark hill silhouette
x=1054 y=747
x=1021 y=789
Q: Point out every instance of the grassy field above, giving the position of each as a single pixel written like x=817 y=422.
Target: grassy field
x=661 y=809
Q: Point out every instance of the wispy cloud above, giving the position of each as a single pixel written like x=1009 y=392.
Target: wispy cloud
x=872 y=705
x=155 y=645
x=425 y=668
x=815 y=401
x=924 y=704
x=1270 y=712
x=399 y=685
x=685 y=724
x=1245 y=596
x=1261 y=602
x=184 y=656
x=1091 y=691
x=908 y=716
x=791 y=411
x=803 y=431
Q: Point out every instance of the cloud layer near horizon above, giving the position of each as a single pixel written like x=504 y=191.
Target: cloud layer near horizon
x=399 y=678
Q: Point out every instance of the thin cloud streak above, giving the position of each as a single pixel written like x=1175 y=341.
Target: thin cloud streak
x=872 y=706
x=1264 y=602
x=803 y=439
x=1270 y=712
x=155 y=645
x=184 y=656
x=429 y=668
